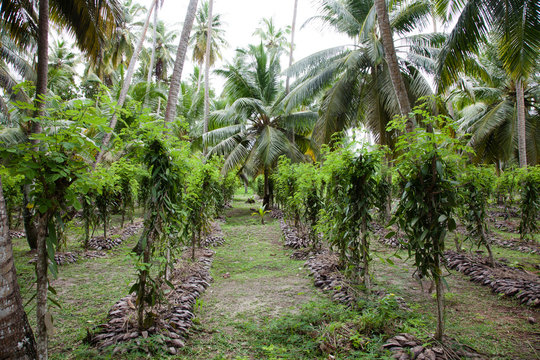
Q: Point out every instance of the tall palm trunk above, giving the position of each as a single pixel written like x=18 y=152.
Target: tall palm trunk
x=293 y=30
x=16 y=335
x=174 y=89
x=41 y=228
x=391 y=60
x=152 y=56
x=207 y=71
x=126 y=84
x=521 y=130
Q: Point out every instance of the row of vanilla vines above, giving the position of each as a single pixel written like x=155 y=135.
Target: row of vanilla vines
x=339 y=197
x=149 y=167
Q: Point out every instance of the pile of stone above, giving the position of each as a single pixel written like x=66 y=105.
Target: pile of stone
x=172 y=320
x=502 y=279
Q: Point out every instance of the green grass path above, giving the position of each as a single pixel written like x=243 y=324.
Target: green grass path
x=254 y=280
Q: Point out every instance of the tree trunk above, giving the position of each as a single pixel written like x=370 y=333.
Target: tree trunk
x=207 y=71
x=365 y=256
x=42 y=284
x=16 y=335
x=152 y=57
x=522 y=145
x=440 y=307
x=266 y=195
x=293 y=30
x=28 y=220
x=142 y=282
x=42 y=219
x=174 y=88
x=126 y=84
x=391 y=60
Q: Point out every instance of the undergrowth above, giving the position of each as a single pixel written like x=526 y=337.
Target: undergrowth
x=322 y=328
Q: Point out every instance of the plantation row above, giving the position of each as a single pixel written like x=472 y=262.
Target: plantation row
x=336 y=201
x=51 y=181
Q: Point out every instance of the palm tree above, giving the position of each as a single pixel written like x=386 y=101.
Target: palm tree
x=293 y=30
x=272 y=36
x=61 y=75
x=391 y=58
x=252 y=131
x=355 y=81
x=126 y=84
x=15 y=331
x=200 y=34
x=486 y=104
x=174 y=89
x=516 y=27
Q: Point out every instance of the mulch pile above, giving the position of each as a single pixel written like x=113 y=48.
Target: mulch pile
x=292 y=237
x=68 y=257
x=173 y=319
x=380 y=233
x=326 y=274
x=502 y=279
x=507 y=226
x=517 y=245
x=276 y=214
x=215 y=236
x=407 y=347
x=116 y=238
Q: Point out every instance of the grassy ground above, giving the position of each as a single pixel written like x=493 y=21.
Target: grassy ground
x=262 y=305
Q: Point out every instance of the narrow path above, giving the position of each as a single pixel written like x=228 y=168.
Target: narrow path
x=254 y=279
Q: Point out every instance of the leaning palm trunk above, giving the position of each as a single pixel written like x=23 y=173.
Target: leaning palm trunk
x=174 y=89
x=152 y=57
x=522 y=145
x=126 y=84
x=207 y=71
x=16 y=335
x=391 y=59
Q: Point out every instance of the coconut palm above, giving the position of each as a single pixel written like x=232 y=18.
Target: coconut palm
x=272 y=36
x=515 y=25
x=200 y=34
x=252 y=131
x=486 y=106
x=355 y=81
x=174 y=89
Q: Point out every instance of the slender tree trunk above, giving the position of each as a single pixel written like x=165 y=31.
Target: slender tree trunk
x=266 y=196
x=522 y=145
x=174 y=88
x=16 y=335
x=152 y=56
x=440 y=307
x=365 y=256
x=142 y=282
x=391 y=60
x=28 y=219
x=42 y=285
x=291 y=58
x=42 y=219
x=207 y=71
x=126 y=84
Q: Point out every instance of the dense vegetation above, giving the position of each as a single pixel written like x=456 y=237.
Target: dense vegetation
x=352 y=143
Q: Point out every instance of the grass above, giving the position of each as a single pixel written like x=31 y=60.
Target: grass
x=262 y=304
